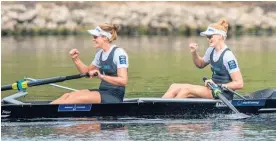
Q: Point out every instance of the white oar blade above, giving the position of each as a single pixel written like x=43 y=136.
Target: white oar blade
x=237 y=116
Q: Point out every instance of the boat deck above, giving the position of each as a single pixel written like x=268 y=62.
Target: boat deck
x=138 y=100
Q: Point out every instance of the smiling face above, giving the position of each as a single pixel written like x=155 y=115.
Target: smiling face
x=99 y=41
x=214 y=40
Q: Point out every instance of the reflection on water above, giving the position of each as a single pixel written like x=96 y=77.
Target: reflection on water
x=155 y=62
x=257 y=128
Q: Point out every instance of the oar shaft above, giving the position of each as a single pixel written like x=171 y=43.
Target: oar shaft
x=43 y=81
x=230 y=90
x=46 y=81
x=215 y=88
x=54 y=79
x=6 y=87
x=225 y=101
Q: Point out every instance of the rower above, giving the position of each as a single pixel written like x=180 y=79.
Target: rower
x=110 y=65
x=224 y=66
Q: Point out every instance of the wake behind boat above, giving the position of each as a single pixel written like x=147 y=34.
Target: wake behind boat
x=262 y=101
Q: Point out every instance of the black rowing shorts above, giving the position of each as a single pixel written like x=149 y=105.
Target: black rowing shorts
x=110 y=95
x=226 y=94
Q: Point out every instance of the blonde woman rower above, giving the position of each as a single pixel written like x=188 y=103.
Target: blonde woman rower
x=224 y=65
x=111 y=66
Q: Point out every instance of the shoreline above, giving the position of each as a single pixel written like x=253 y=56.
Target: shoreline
x=136 y=18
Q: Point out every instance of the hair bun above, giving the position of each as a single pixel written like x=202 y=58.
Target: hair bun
x=223 y=22
x=115 y=27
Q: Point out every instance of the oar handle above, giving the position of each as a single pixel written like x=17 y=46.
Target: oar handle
x=95 y=74
x=211 y=85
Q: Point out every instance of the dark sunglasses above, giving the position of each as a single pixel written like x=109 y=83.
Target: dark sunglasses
x=209 y=36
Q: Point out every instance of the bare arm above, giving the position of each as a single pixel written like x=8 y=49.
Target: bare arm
x=237 y=81
x=120 y=80
x=82 y=68
x=198 y=61
x=80 y=65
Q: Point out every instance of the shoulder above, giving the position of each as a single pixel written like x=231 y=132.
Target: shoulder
x=209 y=50
x=120 y=58
x=98 y=54
x=229 y=56
x=99 y=51
x=120 y=51
x=230 y=60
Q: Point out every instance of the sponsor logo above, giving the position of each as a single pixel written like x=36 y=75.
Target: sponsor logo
x=122 y=59
x=6 y=112
x=99 y=30
x=243 y=103
x=212 y=30
x=232 y=64
x=248 y=103
x=106 y=67
x=220 y=104
x=216 y=70
x=74 y=107
x=4 y=116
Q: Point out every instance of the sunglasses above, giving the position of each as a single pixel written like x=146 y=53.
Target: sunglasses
x=95 y=37
x=209 y=36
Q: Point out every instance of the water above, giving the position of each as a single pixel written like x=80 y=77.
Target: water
x=261 y=127
x=155 y=63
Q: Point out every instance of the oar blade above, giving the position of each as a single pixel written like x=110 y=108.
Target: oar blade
x=237 y=116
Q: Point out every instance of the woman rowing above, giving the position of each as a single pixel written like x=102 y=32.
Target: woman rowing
x=110 y=65
x=224 y=65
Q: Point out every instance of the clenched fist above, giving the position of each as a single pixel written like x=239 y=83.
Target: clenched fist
x=193 y=47
x=74 y=53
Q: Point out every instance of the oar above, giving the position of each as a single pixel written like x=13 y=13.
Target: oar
x=216 y=90
x=230 y=90
x=21 y=85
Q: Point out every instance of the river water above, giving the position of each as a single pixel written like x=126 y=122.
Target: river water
x=261 y=127
x=155 y=63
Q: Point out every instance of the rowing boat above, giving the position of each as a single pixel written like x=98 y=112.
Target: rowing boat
x=263 y=101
